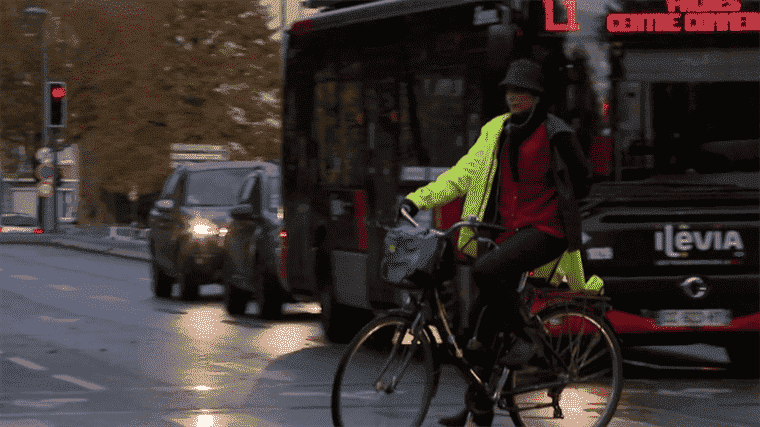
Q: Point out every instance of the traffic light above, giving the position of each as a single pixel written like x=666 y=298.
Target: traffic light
x=57 y=100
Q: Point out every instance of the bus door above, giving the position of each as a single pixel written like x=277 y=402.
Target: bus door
x=383 y=80
x=338 y=128
x=422 y=117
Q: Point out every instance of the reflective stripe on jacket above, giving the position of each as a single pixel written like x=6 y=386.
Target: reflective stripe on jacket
x=473 y=177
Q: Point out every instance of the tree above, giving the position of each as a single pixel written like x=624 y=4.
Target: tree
x=144 y=75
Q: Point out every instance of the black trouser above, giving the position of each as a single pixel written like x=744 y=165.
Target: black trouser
x=497 y=275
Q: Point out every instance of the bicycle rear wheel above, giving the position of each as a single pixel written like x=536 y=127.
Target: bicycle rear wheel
x=591 y=364
x=385 y=378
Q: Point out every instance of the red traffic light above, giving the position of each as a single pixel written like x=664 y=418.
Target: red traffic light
x=58 y=92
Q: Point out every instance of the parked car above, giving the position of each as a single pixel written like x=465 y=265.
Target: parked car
x=254 y=264
x=19 y=223
x=188 y=222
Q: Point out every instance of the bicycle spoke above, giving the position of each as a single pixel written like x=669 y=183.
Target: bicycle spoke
x=596 y=356
x=590 y=377
x=396 y=343
x=584 y=392
x=594 y=341
x=402 y=372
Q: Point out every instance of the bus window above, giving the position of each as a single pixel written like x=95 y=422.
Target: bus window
x=338 y=128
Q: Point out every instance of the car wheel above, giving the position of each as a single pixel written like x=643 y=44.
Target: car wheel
x=235 y=300
x=160 y=281
x=744 y=352
x=188 y=283
x=271 y=296
x=338 y=320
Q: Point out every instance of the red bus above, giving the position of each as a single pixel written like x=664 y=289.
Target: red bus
x=379 y=99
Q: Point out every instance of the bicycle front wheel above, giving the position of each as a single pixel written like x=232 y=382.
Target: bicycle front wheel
x=589 y=362
x=385 y=377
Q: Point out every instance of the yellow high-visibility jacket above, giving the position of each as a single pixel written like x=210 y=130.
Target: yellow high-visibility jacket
x=473 y=177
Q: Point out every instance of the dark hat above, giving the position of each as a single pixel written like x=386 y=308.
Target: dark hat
x=526 y=74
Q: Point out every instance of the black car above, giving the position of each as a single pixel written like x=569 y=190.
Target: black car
x=254 y=264
x=188 y=224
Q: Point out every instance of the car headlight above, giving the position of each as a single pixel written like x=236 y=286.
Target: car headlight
x=202 y=228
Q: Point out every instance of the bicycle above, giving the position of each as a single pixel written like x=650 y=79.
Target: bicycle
x=392 y=369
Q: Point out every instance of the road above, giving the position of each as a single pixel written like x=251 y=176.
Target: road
x=84 y=343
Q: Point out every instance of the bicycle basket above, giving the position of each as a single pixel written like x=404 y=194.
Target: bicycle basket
x=410 y=256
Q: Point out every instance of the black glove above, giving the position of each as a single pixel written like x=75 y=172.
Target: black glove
x=409 y=207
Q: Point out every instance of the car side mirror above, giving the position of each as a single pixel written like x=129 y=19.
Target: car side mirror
x=242 y=212
x=165 y=204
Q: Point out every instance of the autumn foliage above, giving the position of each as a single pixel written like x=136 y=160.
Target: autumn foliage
x=141 y=76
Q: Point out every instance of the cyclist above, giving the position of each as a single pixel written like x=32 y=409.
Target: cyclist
x=525 y=172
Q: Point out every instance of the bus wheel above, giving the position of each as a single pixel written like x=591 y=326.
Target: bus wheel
x=337 y=320
x=743 y=352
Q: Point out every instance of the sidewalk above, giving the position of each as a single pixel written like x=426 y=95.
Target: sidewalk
x=117 y=241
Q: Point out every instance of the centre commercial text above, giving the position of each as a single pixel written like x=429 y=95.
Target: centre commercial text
x=682 y=16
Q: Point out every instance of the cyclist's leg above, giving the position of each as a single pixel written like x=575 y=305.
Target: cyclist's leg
x=496 y=275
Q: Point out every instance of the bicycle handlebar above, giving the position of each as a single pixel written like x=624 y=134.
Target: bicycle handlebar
x=469 y=222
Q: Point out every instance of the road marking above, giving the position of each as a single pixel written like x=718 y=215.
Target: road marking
x=62 y=287
x=45 y=403
x=50 y=414
x=79 y=382
x=108 y=298
x=27 y=364
x=51 y=319
x=24 y=277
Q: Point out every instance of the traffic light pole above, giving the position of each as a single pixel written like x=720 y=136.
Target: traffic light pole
x=49 y=219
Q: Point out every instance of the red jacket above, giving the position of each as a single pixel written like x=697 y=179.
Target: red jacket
x=533 y=200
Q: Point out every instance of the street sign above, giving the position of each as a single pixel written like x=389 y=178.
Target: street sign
x=44 y=155
x=195 y=153
x=45 y=171
x=45 y=189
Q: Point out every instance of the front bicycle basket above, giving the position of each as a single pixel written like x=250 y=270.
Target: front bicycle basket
x=410 y=256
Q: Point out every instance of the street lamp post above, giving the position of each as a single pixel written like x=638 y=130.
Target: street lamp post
x=37 y=15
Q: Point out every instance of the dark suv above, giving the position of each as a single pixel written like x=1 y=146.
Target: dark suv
x=254 y=265
x=188 y=224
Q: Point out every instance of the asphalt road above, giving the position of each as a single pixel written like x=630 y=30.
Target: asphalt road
x=84 y=343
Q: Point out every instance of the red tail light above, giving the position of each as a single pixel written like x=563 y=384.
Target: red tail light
x=360 y=216
x=284 y=256
x=38 y=231
x=301 y=27
x=601 y=155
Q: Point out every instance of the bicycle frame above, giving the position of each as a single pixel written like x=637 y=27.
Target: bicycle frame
x=437 y=317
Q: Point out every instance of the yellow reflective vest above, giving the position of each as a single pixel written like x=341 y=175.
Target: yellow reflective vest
x=473 y=176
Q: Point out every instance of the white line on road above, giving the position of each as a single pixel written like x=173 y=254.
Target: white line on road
x=79 y=382
x=46 y=403
x=27 y=364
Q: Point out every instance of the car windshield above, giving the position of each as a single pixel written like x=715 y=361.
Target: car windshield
x=216 y=187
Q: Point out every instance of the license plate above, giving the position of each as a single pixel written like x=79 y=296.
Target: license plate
x=712 y=317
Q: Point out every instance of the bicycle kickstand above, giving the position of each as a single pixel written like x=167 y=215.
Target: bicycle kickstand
x=554 y=394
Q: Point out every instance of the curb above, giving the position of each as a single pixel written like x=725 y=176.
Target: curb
x=133 y=250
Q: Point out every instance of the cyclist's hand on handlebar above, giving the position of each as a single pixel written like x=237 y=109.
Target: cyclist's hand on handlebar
x=409 y=207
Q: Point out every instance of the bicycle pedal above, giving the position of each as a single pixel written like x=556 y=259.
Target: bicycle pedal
x=474 y=344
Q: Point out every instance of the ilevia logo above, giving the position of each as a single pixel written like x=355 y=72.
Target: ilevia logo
x=686 y=240
x=687 y=16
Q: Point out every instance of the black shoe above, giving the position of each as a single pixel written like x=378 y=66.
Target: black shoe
x=458 y=420
x=480 y=419
x=484 y=419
